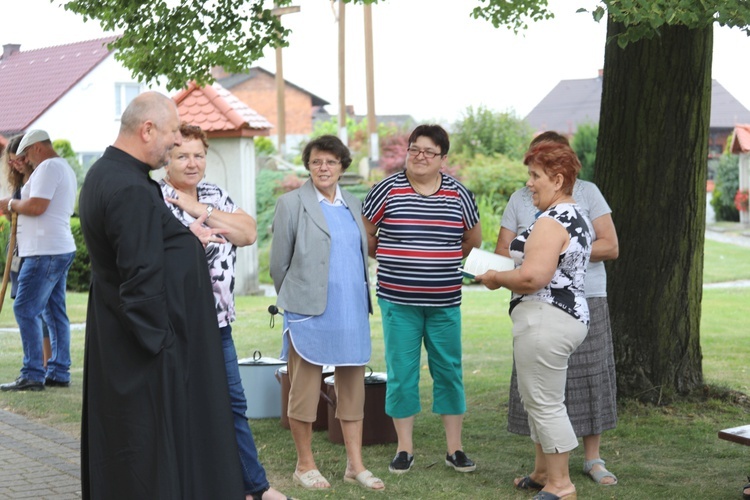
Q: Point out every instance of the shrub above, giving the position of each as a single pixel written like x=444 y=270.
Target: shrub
x=486 y=132
x=495 y=176
x=393 y=153
x=268 y=187
x=79 y=275
x=492 y=179
x=490 y=216
x=584 y=144
x=65 y=150
x=727 y=183
x=264 y=146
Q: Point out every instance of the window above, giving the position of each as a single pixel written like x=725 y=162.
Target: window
x=124 y=93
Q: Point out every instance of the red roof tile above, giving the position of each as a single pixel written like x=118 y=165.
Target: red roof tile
x=32 y=81
x=741 y=141
x=215 y=109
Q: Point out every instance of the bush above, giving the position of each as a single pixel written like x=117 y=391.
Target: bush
x=490 y=216
x=264 y=146
x=727 y=184
x=584 y=144
x=486 y=132
x=492 y=179
x=496 y=177
x=65 y=150
x=393 y=153
x=268 y=187
x=79 y=275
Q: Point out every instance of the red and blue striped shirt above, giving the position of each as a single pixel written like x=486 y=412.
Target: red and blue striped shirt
x=419 y=240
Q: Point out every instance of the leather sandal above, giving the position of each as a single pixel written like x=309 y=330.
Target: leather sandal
x=526 y=483
x=598 y=475
x=258 y=495
x=746 y=496
x=546 y=495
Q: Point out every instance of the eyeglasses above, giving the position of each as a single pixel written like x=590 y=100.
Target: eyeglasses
x=328 y=163
x=413 y=151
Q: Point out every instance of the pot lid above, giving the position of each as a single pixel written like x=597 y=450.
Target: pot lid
x=258 y=359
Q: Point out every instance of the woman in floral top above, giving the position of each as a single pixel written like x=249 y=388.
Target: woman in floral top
x=549 y=311
x=193 y=201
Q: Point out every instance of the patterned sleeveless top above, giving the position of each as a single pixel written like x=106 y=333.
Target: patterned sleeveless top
x=566 y=289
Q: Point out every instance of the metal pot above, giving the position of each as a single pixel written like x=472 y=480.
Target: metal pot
x=321 y=420
x=261 y=390
x=377 y=427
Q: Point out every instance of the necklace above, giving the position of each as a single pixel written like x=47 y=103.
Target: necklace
x=434 y=189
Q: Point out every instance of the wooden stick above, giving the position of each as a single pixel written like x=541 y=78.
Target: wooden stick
x=9 y=257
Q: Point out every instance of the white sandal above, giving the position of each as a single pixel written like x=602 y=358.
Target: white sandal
x=598 y=475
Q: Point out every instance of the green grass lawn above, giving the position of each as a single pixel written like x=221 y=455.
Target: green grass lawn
x=660 y=452
x=724 y=262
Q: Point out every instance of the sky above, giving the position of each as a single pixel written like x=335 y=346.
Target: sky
x=432 y=60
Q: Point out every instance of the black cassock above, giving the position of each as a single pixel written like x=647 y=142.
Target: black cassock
x=156 y=421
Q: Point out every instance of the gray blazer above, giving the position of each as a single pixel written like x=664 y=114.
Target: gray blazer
x=301 y=247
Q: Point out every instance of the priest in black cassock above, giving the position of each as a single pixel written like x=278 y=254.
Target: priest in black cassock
x=156 y=421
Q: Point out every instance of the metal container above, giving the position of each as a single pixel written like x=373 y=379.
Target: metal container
x=377 y=427
x=321 y=420
x=261 y=389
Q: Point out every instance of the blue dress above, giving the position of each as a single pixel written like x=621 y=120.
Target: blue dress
x=341 y=335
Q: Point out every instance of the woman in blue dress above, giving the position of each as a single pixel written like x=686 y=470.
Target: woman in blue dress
x=319 y=270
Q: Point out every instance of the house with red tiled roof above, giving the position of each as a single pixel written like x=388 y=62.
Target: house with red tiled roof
x=741 y=146
x=230 y=126
x=574 y=102
x=257 y=89
x=75 y=91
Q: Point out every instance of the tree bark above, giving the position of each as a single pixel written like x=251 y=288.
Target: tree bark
x=651 y=165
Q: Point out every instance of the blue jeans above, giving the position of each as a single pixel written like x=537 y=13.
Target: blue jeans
x=253 y=473
x=41 y=294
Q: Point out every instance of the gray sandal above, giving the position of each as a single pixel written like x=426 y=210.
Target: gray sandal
x=598 y=475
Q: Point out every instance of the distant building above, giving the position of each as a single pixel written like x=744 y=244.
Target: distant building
x=257 y=89
x=574 y=102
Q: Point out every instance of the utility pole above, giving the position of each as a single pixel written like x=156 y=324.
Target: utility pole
x=280 y=88
x=342 y=74
x=372 y=126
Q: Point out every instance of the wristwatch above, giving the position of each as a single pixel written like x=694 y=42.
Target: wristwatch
x=10 y=205
x=209 y=211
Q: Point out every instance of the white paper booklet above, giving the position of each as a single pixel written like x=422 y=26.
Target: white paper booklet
x=480 y=261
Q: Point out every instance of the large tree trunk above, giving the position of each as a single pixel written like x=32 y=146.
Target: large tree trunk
x=651 y=165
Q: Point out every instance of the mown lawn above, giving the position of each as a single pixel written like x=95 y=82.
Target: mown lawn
x=659 y=452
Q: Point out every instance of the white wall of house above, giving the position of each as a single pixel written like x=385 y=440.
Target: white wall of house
x=231 y=165
x=86 y=115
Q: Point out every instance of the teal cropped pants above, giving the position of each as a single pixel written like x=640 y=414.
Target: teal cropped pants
x=405 y=328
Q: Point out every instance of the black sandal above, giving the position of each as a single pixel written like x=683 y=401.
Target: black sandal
x=526 y=483
x=259 y=495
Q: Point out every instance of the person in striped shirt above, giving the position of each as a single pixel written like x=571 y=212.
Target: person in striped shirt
x=421 y=223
